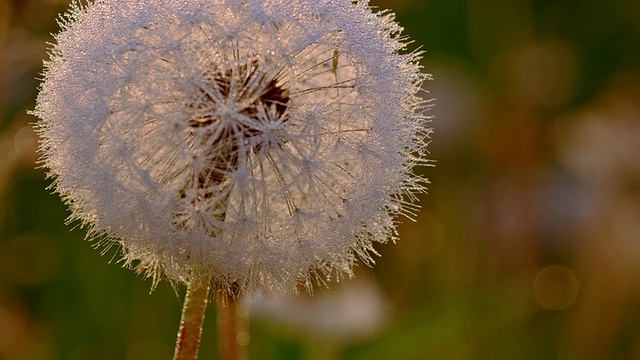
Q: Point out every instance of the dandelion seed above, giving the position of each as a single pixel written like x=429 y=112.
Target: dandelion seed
x=262 y=143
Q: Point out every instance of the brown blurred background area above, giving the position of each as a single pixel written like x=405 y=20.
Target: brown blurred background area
x=527 y=245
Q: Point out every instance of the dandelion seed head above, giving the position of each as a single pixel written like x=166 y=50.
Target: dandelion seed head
x=264 y=143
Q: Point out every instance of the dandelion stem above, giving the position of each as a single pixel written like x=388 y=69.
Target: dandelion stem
x=195 y=304
x=229 y=328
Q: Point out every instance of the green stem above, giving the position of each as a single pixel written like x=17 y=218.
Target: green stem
x=195 y=304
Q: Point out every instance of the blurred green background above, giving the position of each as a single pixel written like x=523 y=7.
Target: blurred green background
x=527 y=245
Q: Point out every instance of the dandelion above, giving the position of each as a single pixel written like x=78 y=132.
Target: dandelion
x=252 y=144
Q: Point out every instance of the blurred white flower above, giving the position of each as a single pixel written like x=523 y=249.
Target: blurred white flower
x=352 y=312
x=265 y=143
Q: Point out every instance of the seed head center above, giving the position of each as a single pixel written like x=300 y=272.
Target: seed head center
x=236 y=108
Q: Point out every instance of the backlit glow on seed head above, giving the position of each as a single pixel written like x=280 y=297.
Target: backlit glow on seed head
x=264 y=143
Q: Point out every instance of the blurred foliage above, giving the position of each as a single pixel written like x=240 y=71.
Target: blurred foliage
x=527 y=246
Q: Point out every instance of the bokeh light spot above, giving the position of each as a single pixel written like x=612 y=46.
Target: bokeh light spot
x=26 y=143
x=556 y=287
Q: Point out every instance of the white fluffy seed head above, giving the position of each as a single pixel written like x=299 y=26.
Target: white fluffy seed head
x=262 y=143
